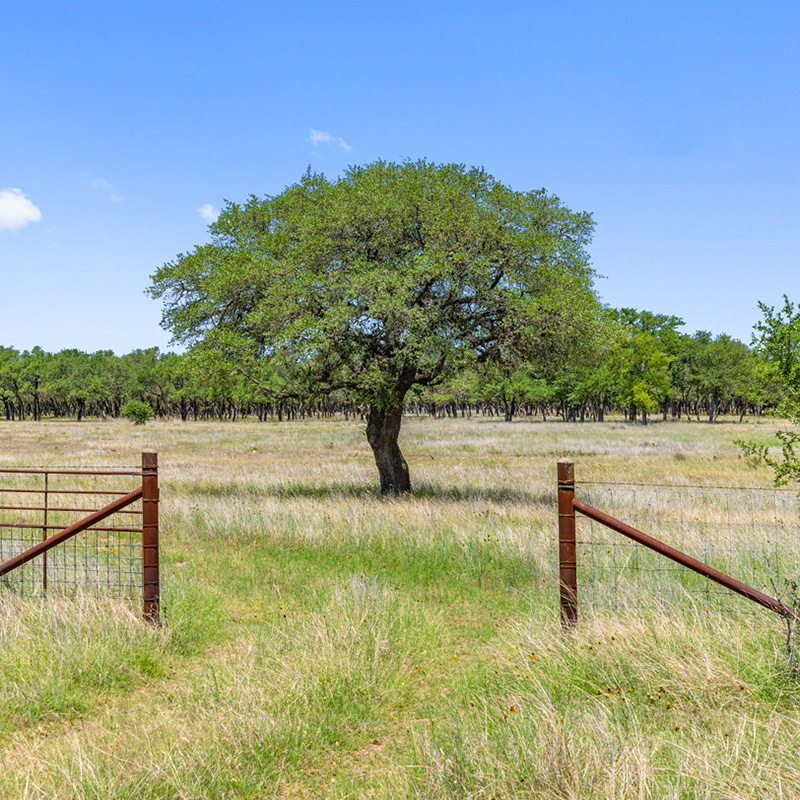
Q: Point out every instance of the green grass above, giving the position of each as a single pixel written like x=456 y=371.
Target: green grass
x=322 y=642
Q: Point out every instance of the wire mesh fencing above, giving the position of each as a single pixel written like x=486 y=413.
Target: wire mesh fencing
x=107 y=558
x=752 y=535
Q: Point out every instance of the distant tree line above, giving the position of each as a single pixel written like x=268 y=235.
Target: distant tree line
x=639 y=365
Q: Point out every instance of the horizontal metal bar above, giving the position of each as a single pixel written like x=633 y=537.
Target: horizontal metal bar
x=72 y=530
x=106 y=471
x=116 y=493
x=34 y=527
x=111 y=530
x=63 y=509
x=685 y=560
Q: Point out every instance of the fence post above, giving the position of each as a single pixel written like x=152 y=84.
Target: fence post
x=151 y=588
x=44 y=531
x=567 y=561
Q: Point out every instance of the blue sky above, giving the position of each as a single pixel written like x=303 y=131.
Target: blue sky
x=124 y=126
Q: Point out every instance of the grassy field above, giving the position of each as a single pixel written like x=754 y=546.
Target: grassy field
x=322 y=642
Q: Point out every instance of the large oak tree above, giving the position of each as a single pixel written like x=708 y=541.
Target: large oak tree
x=390 y=276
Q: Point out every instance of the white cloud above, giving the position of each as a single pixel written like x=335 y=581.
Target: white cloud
x=323 y=137
x=16 y=210
x=107 y=188
x=208 y=212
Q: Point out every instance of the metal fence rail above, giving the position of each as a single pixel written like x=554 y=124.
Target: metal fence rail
x=750 y=535
x=63 y=529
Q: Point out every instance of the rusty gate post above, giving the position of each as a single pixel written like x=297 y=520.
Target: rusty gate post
x=44 y=532
x=567 y=561
x=151 y=588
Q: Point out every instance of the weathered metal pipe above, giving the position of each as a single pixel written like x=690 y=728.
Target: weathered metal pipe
x=685 y=560
x=567 y=546
x=151 y=589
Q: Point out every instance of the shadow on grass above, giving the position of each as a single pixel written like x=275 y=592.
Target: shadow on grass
x=332 y=491
x=493 y=494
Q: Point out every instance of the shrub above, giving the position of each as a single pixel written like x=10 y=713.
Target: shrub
x=137 y=412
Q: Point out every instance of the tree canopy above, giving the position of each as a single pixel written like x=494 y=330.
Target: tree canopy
x=392 y=276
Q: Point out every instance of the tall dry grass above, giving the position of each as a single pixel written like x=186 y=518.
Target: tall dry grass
x=322 y=642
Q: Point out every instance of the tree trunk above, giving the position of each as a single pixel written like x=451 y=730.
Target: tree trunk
x=383 y=430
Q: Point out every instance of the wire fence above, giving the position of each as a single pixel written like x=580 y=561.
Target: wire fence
x=106 y=558
x=752 y=535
